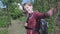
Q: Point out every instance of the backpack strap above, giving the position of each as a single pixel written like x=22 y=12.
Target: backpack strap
x=35 y=29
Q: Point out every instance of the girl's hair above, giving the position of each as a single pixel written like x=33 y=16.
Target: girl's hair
x=24 y=5
x=27 y=4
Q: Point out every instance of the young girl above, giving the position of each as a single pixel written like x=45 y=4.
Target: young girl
x=31 y=24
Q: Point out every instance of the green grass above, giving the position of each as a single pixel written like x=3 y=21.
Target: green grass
x=50 y=25
x=22 y=18
x=3 y=31
x=50 y=28
x=4 y=21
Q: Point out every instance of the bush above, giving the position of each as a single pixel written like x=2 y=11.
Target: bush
x=4 y=19
x=23 y=18
x=14 y=11
x=3 y=31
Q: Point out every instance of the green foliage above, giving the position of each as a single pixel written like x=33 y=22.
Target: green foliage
x=3 y=31
x=50 y=24
x=2 y=21
x=22 y=18
x=14 y=11
x=4 y=18
x=11 y=1
x=5 y=1
x=12 y=8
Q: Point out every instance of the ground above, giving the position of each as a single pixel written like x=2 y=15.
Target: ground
x=17 y=27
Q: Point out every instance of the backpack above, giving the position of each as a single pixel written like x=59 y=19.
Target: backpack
x=43 y=26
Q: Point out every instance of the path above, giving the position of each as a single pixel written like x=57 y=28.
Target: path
x=16 y=27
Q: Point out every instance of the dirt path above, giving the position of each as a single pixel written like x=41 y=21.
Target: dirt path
x=16 y=27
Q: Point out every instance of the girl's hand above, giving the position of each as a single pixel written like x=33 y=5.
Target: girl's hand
x=25 y=24
x=51 y=11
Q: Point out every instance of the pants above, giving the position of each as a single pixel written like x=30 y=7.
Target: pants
x=31 y=31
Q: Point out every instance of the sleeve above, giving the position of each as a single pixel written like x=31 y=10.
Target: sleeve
x=41 y=15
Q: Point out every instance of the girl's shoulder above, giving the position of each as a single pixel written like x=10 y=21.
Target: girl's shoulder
x=36 y=11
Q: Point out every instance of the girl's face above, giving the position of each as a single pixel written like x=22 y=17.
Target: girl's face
x=28 y=8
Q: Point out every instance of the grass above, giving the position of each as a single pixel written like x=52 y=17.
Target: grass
x=4 y=21
x=50 y=25
x=3 y=31
x=50 y=28
x=22 y=18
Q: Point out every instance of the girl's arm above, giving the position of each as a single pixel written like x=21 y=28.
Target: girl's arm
x=51 y=11
x=44 y=15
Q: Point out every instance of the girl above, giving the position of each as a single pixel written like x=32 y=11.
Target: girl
x=31 y=24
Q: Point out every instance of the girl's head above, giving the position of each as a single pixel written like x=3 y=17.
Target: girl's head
x=27 y=7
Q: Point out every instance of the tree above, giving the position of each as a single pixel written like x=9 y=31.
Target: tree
x=11 y=9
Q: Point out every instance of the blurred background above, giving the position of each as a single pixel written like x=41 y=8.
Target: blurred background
x=12 y=18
